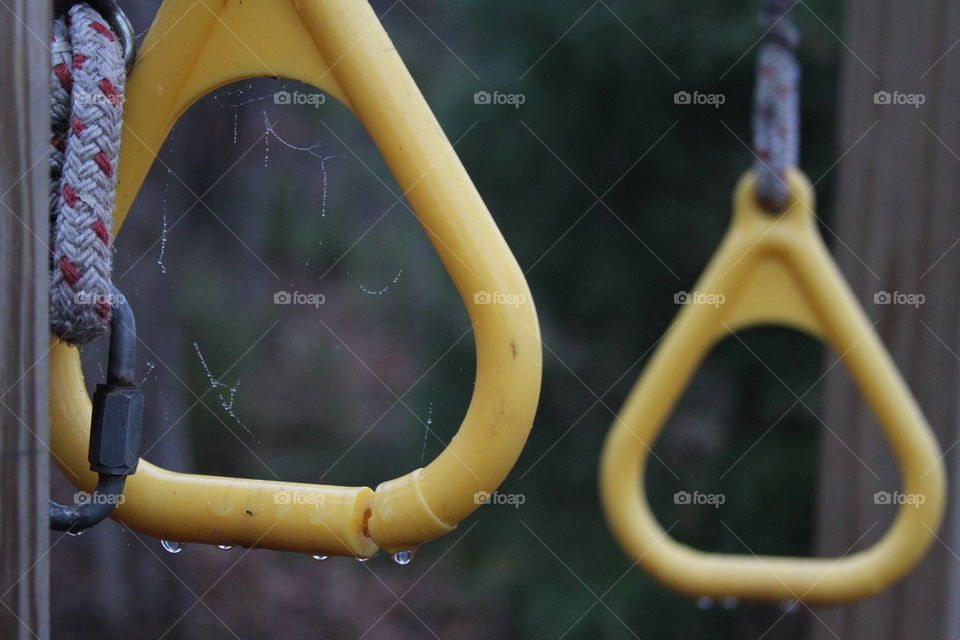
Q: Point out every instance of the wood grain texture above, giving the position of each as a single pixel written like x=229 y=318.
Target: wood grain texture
x=897 y=226
x=24 y=457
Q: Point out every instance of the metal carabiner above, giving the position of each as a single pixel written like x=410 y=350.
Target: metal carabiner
x=115 y=428
x=114 y=15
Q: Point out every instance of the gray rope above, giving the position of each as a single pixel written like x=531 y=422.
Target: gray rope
x=776 y=119
x=87 y=82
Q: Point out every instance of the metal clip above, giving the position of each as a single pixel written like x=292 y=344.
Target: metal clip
x=115 y=428
x=114 y=15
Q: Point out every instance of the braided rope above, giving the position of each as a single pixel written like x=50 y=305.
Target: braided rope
x=87 y=81
x=776 y=119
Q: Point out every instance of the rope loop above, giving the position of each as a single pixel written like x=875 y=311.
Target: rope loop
x=88 y=75
x=776 y=111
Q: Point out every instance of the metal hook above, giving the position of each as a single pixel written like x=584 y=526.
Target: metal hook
x=118 y=20
x=115 y=428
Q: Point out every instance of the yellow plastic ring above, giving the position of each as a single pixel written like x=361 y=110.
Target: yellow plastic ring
x=772 y=269
x=338 y=46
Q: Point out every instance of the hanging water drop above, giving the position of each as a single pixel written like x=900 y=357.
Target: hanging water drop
x=426 y=431
x=704 y=602
x=363 y=558
x=403 y=558
x=76 y=534
x=730 y=602
x=225 y=547
x=171 y=546
x=320 y=558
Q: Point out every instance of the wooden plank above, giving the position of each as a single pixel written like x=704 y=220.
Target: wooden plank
x=898 y=229
x=24 y=458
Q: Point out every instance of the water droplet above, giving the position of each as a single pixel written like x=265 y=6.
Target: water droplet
x=221 y=509
x=362 y=559
x=320 y=558
x=266 y=149
x=790 y=606
x=313 y=150
x=403 y=557
x=171 y=546
x=163 y=235
x=228 y=395
x=704 y=602
x=426 y=431
x=730 y=602
x=150 y=367
x=384 y=289
x=76 y=534
x=225 y=547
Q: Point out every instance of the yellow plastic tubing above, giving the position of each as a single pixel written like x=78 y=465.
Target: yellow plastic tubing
x=772 y=269
x=338 y=46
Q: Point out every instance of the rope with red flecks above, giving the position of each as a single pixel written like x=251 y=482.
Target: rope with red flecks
x=776 y=119
x=87 y=82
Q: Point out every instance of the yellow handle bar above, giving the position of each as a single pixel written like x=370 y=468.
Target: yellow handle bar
x=772 y=269
x=340 y=47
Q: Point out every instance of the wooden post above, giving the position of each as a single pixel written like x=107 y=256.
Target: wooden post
x=898 y=217
x=24 y=457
